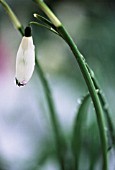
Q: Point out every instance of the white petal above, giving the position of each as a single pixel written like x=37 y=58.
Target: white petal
x=25 y=61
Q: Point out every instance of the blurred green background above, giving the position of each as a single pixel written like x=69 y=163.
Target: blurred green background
x=26 y=138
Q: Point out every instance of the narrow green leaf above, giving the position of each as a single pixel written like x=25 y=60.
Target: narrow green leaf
x=79 y=125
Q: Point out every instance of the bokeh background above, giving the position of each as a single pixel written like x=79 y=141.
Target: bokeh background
x=25 y=125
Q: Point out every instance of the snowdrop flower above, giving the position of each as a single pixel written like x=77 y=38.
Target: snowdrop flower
x=25 y=60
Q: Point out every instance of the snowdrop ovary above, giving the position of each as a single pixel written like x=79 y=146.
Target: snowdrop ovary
x=25 y=60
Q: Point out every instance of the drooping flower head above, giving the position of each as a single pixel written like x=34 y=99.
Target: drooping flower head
x=25 y=59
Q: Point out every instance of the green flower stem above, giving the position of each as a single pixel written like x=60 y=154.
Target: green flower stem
x=98 y=108
x=58 y=136
x=83 y=66
x=104 y=105
x=60 y=143
x=105 y=108
x=12 y=16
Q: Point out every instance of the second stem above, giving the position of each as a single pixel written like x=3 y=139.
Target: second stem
x=98 y=108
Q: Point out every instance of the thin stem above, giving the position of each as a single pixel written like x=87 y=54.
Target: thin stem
x=98 y=108
x=12 y=16
x=58 y=136
x=90 y=84
x=104 y=105
x=105 y=108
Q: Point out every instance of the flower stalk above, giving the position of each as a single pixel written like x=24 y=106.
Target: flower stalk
x=92 y=90
x=59 y=140
x=87 y=77
x=105 y=108
x=13 y=17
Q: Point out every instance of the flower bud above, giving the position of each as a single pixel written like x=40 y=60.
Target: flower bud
x=25 y=60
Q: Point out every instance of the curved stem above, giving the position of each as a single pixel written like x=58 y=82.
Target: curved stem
x=104 y=105
x=90 y=84
x=98 y=108
x=106 y=109
x=12 y=16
